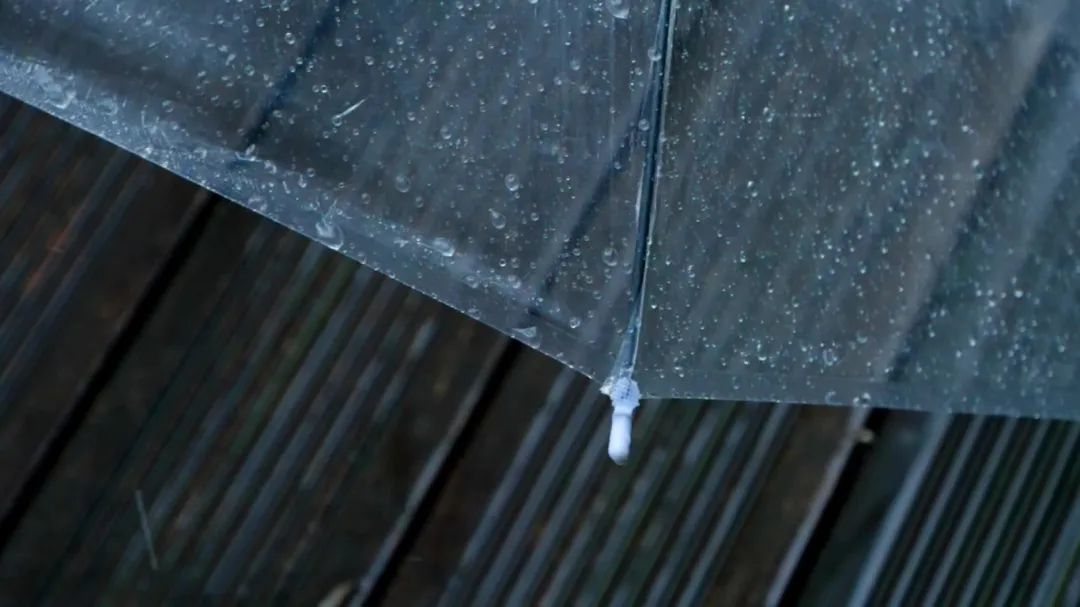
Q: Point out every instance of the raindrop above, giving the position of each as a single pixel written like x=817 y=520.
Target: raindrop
x=402 y=183
x=443 y=247
x=610 y=256
x=575 y=322
x=643 y=125
x=528 y=335
x=828 y=355
x=620 y=9
x=862 y=400
x=512 y=182
x=654 y=53
x=498 y=220
x=329 y=233
x=290 y=38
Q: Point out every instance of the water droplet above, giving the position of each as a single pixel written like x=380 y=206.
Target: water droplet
x=620 y=9
x=329 y=233
x=402 y=183
x=862 y=400
x=512 y=182
x=290 y=38
x=654 y=53
x=610 y=256
x=575 y=322
x=498 y=220
x=443 y=247
x=110 y=107
x=445 y=132
x=336 y=120
x=528 y=335
x=829 y=357
x=643 y=125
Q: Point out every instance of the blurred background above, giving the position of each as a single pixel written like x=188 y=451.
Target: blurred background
x=198 y=405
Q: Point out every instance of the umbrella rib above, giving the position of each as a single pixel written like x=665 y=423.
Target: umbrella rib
x=620 y=385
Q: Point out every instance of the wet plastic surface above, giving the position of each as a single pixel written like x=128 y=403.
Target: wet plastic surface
x=869 y=205
x=876 y=205
x=488 y=154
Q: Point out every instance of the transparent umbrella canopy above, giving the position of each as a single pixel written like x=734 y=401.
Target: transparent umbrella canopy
x=870 y=204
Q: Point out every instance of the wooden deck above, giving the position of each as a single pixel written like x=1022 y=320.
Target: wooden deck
x=197 y=405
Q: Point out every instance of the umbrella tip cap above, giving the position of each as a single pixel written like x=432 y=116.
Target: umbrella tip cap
x=625 y=397
x=619 y=440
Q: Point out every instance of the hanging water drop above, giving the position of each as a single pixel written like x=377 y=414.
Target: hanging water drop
x=620 y=9
x=529 y=335
x=402 y=183
x=329 y=233
x=512 y=182
x=610 y=257
x=443 y=247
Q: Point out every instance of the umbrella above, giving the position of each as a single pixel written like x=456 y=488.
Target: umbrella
x=867 y=204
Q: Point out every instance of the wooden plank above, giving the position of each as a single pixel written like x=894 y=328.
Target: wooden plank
x=85 y=230
x=273 y=418
x=536 y=514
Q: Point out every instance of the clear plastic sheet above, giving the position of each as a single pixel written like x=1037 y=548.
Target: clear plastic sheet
x=870 y=204
x=849 y=203
x=490 y=154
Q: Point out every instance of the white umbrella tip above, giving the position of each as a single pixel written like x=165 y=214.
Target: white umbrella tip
x=619 y=440
x=625 y=397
